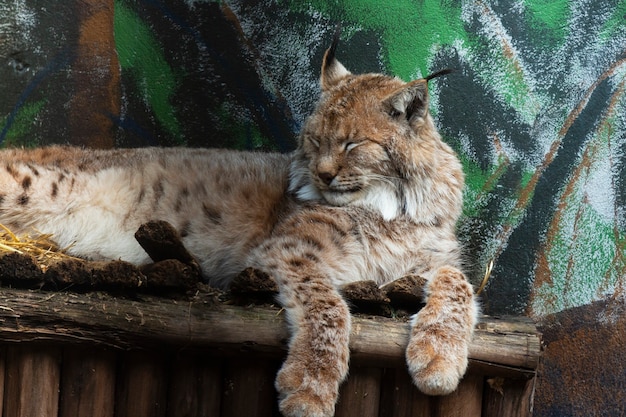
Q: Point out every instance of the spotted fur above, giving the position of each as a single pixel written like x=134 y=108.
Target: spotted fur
x=371 y=193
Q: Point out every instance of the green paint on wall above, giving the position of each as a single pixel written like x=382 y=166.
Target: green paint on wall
x=581 y=260
x=411 y=31
x=552 y=16
x=585 y=254
x=475 y=180
x=20 y=133
x=242 y=133
x=498 y=67
x=615 y=23
x=140 y=54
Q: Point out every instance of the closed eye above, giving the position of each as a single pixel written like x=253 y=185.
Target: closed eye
x=350 y=145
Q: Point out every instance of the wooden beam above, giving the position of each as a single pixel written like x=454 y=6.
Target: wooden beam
x=32 y=381
x=511 y=345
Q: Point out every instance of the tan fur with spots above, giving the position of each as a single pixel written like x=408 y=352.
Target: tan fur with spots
x=371 y=193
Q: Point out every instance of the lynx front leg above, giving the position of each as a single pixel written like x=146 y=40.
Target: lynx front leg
x=441 y=332
x=317 y=363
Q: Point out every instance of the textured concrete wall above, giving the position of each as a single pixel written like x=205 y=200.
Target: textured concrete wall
x=536 y=111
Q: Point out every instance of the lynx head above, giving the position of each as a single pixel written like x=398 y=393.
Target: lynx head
x=371 y=142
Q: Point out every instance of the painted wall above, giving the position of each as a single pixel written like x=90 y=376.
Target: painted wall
x=536 y=111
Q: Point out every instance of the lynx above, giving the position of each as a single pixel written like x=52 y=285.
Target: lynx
x=371 y=193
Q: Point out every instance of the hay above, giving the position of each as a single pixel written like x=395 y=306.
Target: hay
x=39 y=245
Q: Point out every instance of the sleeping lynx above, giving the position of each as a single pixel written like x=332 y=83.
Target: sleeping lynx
x=371 y=193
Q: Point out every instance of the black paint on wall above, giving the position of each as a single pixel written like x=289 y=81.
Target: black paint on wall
x=513 y=276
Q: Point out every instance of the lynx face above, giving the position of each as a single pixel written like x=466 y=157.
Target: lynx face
x=371 y=142
x=348 y=156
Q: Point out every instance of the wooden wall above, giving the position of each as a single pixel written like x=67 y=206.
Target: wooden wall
x=41 y=379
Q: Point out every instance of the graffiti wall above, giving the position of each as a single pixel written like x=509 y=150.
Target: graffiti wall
x=536 y=110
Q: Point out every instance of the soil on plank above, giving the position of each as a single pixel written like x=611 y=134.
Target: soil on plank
x=175 y=273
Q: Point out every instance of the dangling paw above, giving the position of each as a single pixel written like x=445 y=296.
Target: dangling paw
x=303 y=395
x=435 y=361
x=441 y=332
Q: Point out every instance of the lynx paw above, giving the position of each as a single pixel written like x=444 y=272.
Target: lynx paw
x=436 y=354
x=303 y=395
x=304 y=404
x=436 y=373
x=441 y=333
x=436 y=362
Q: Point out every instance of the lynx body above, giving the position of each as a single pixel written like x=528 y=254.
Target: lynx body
x=371 y=193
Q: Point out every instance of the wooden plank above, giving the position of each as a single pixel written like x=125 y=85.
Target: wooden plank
x=359 y=396
x=400 y=397
x=142 y=386
x=495 y=337
x=248 y=389
x=506 y=397
x=504 y=371
x=88 y=383
x=466 y=401
x=32 y=381
x=195 y=386
x=95 y=318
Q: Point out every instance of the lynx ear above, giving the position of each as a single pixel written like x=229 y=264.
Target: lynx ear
x=409 y=102
x=332 y=70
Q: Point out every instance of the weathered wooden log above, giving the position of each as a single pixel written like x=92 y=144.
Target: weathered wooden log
x=26 y=315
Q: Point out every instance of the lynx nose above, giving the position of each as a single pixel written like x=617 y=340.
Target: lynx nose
x=326 y=176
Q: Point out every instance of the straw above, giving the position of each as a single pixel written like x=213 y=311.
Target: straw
x=38 y=245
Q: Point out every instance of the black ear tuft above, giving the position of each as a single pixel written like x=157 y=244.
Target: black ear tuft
x=439 y=73
x=333 y=72
x=330 y=53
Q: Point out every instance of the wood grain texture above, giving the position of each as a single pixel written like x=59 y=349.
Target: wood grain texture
x=248 y=389
x=511 y=345
x=195 y=386
x=88 y=383
x=511 y=398
x=400 y=397
x=359 y=396
x=466 y=401
x=3 y=363
x=32 y=381
x=142 y=387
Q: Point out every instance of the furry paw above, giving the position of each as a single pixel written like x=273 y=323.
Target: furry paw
x=441 y=332
x=436 y=366
x=436 y=373
x=305 y=404
x=302 y=395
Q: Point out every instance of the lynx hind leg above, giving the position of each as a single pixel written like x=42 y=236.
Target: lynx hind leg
x=308 y=382
x=441 y=332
